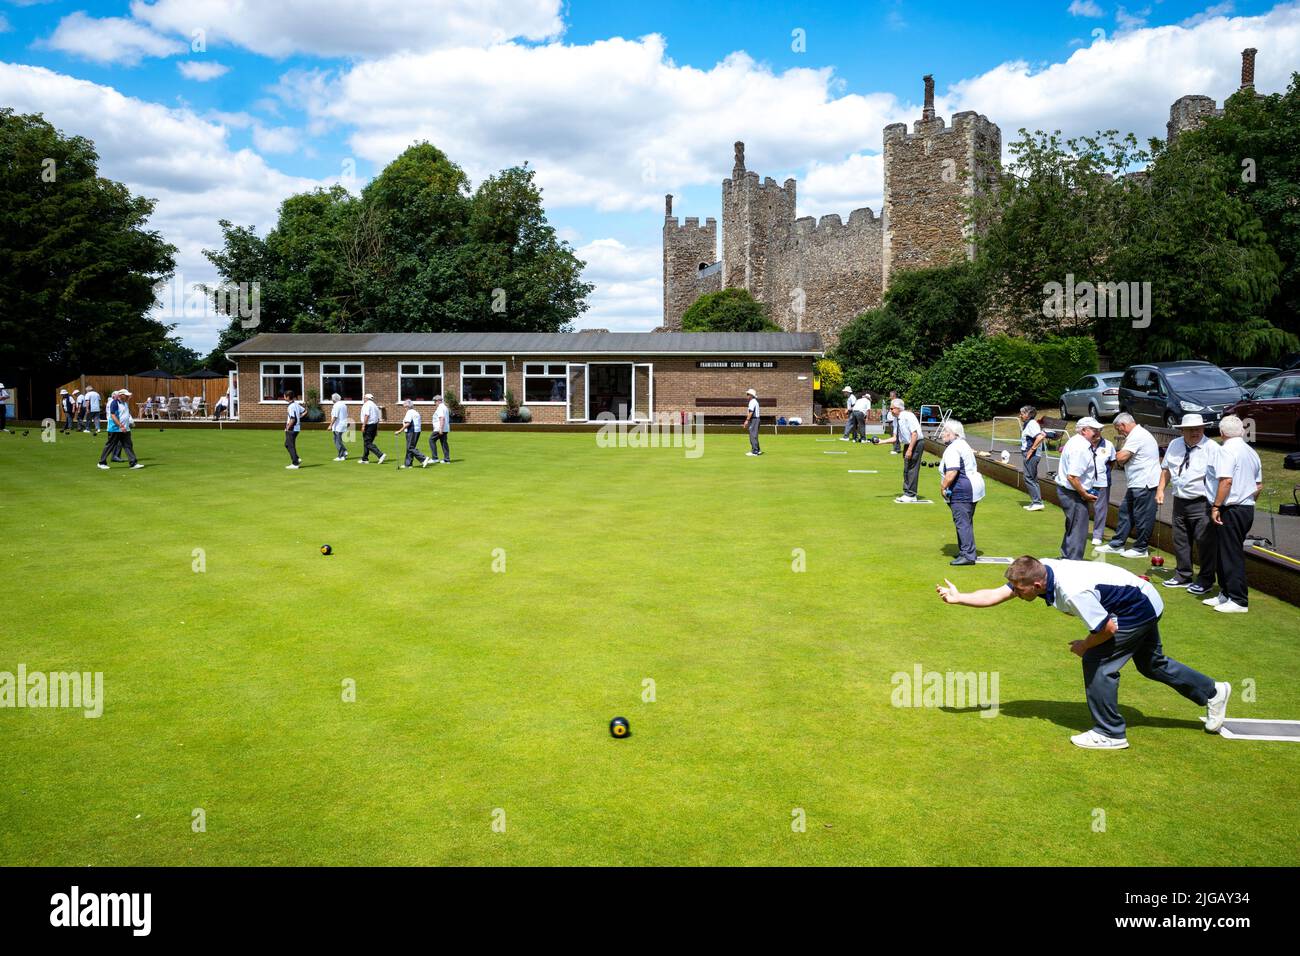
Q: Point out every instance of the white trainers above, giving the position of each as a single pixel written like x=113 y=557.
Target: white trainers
x=1216 y=708
x=1096 y=542
x=1227 y=606
x=1133 y=553
x=363 y=461
x=846 y=439
x=382 y=457
x=1037 y=507
x=340 y=458
x=750 y=454
x=105 y=467
x=905 y=500
x=425 y=463
x=1107 y=549
x=1091 y=740
x=1216 y=600
x=138 y=466
x=291 y=467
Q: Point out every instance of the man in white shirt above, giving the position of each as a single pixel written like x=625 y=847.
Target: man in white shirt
x=1031 y=453
x=1234 y=478
x=293 y=425
x=1103 y=453
x=439 y=428
x=119 y=431
x=858 y=417
x=1183 y=471
x=222 y=407
x=78 y=410
x=1140 y=457
x=369 y=429
x=907 y=433
x=963 y=488
x=1122 y=613
x=752 y=415
x=93 y=409
x=67 y=406
x=1075 y=474
x=849 y=401
x=4 y=407
x=892 y=421
x=339 y=425
x=411 y=426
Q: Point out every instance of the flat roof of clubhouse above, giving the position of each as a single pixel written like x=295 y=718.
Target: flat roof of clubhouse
x=532 y=343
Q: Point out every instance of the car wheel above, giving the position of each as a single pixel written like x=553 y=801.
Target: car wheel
x=1092 y=410
x=1171 y=422
x=1065 y=412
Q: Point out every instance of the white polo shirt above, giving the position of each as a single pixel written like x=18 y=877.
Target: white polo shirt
x=1142 y=470
x=753 y=408
x=1094 y=591
x=1077 y=460
x=92 y=397
x=862 y=405
x=1238 y=461
x=1187 y=466
x=1028 y=433
x=339 y=417
x=1102 y=456
x=441 y=418
x=852 y=401
x=412 y=420
x=369 y=413
x=959 y=457
x=293 y=416
x=906 y=426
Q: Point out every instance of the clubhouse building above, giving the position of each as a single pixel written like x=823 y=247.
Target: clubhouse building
x=560 y=377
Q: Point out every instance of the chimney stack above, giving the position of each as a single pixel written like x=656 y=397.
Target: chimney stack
x=928 y=112
x=1248 y=68
x=668 y=205
x=739 y=169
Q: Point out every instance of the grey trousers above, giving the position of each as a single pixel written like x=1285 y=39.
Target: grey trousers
x=1190 y=518
x=436 y=438
x=1031 y=476
x=115 y=444
x=291 y=443
x=1231 y=556
x=368 y=434
x=1137 y=516
x=1100 y=511
x=1101 y=667
x=848 y=424
x=753 y=437
x=912 y=469
x=963 y=519
x=1075 y=539
x=412 y=447
x=338 y=443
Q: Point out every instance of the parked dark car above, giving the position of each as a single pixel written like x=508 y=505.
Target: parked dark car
x=1161 y=393
x=1253 y=383
x=1274 y=408
x=1243 y=373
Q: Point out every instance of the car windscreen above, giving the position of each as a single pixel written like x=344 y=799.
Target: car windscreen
x=1198 y=378
x=1112 y=379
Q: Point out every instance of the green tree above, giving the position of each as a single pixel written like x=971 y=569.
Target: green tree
x=728 y=310
x=875 y=351
x=175 y=357
x=936 y=307
x=1257 y=142
x=78 y=266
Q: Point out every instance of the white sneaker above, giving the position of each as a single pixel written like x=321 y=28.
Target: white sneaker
x=363 y=461
x=846 y=439
x=138 y=466
x=105 y=467
x=1107 y=549
x=381 y=459
x=1037 y=507
x=1216 y=600
x=1216 y=708
x=750 y=454
x=1091 y=740
x=1096 y=542
x=1227 y=606
x=425 y=463
x=905 y=500
x=340 y=458
x=895 y=453
x=1133 y=553
x=291 y=467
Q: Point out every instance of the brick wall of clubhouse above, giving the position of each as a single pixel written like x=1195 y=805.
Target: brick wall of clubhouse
x=678 y=383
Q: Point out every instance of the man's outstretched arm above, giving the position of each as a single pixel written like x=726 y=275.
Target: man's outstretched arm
x=987 y=597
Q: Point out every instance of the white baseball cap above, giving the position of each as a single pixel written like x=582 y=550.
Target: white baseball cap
x=750 y=391
x=125 y=392
x=847 y=389
x=1192 y=420
x=369 y=396
x=1088 y=422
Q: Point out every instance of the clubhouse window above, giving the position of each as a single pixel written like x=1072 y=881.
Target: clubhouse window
x=419 y=381
x=346 y=378
x=281 y=377
x=545 y=383
x=483 y=381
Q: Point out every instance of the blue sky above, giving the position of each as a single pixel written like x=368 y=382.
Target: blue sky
x=613 y=103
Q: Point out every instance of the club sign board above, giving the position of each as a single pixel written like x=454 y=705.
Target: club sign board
x=737 y=363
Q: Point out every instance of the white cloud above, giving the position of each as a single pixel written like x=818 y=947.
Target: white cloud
x=629 y=286
x=1126 y=21
x=5 y=25
x=278 y=139
x=842 y=187
x=352 y=28
x=1085 y=8
x=1209 y=13
x=202 y=71
x=171 y=155
x=109 y=40
x=1127 y=82
x=613 y=124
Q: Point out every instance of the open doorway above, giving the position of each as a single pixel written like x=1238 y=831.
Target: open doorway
x=609 y=389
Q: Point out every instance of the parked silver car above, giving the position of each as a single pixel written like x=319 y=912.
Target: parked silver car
x=1096 y=395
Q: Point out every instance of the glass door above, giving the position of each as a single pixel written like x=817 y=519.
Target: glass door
x=643 y=392
x=577 y=410
x=609 y=390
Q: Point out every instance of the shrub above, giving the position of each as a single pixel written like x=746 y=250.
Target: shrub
x=875 y=352
x=729 y=310
x=832 y=381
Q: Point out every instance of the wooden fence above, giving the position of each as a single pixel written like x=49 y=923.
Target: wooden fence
x=209 y=389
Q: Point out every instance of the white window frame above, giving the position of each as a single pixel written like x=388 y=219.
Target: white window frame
x=280 y=363
x=442 y=378
x=546 y=376
x=505 y=380
x=320 y=368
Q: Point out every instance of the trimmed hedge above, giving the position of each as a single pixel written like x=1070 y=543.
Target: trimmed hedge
x=980 y=376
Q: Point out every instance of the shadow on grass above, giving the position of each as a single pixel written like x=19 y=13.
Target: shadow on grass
x=1073 y=715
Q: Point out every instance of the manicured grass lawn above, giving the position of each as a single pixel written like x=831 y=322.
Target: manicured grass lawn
x=478 y=690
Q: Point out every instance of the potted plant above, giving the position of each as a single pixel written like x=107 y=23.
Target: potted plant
x=511 y=412
x=454 y=406
x=525 y=413
x=314 y=412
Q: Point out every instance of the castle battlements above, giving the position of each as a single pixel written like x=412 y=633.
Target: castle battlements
x=691 y=224
x=1189 y=112
x=860 y=221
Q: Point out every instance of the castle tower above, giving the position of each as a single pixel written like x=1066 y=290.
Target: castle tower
x=755 y=218
x=931 y=174
x=689 y=252
x=1189 y=112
